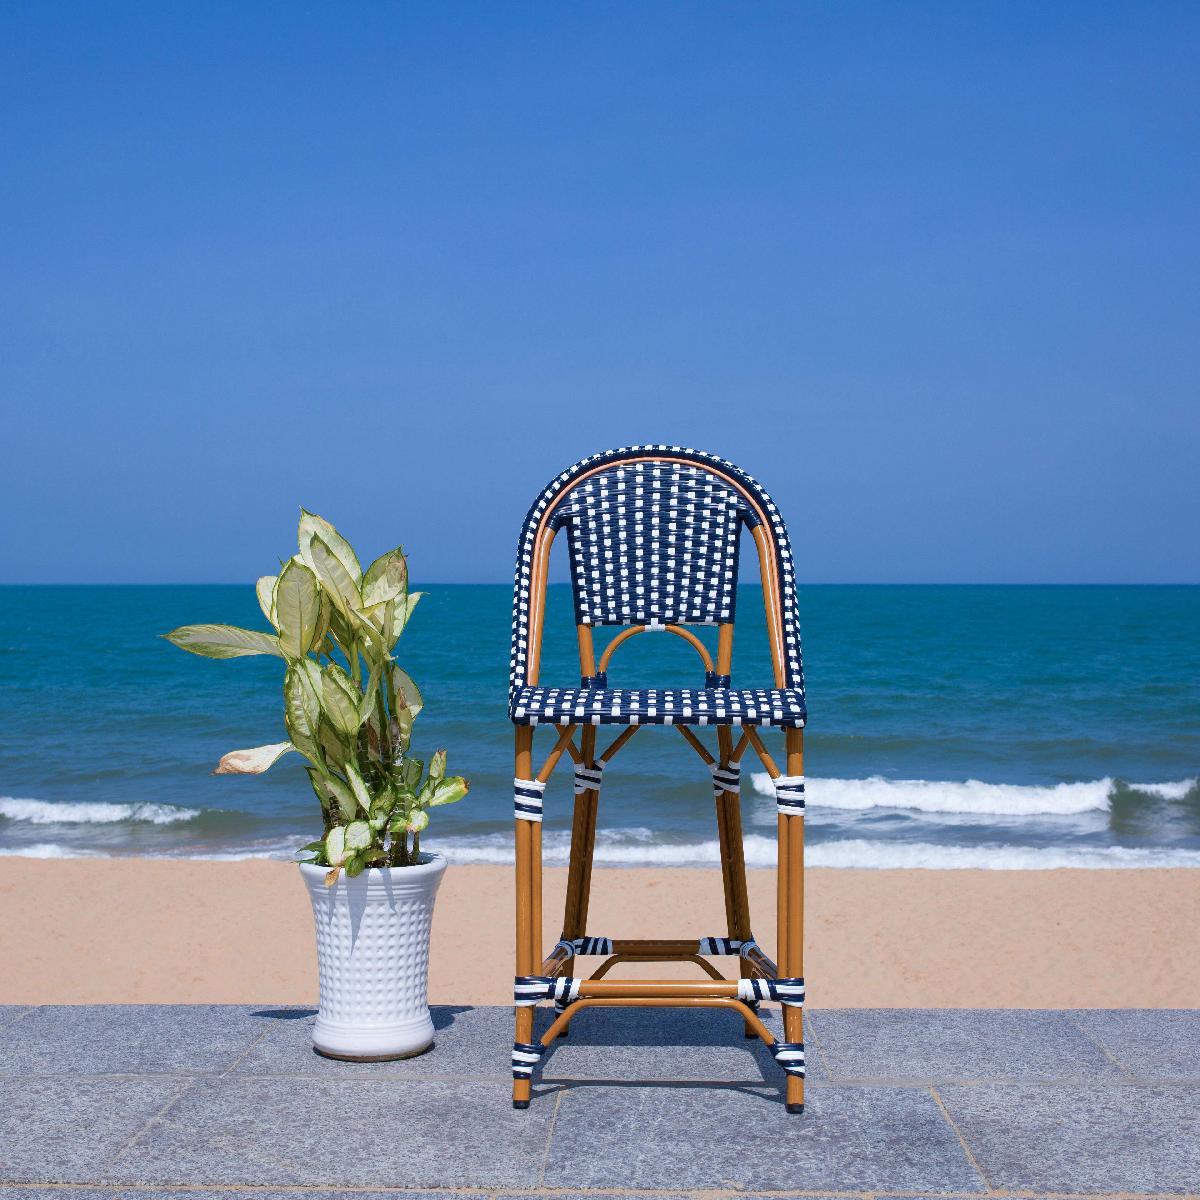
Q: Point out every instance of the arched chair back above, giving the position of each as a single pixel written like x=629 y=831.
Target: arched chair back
x=653 y=536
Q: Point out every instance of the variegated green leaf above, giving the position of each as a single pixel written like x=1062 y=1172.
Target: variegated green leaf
x=264 y=589
x=339 y=699
x=223 y=641
x=407 y=693
x=335 y=846
x=297 y=607
x=302 y=712
x=385 y=579
x=358 y=787
x=342 y=796
x=437 y=765
x=336 y=581
x=417 y=821
x=358 y=836
x=311 y=524
x=253 y=761
x=448 y=791
x=334 y=746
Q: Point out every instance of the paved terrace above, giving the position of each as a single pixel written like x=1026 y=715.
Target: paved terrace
x=158 y=1101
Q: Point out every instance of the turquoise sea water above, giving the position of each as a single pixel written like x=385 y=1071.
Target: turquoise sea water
x=949 y=726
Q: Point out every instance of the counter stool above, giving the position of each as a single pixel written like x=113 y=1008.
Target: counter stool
x=653 y=534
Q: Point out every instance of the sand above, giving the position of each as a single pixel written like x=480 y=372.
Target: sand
x=168 y=932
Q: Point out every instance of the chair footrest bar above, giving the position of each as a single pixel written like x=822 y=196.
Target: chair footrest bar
x=565 y=989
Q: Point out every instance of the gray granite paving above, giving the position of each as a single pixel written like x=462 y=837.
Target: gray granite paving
x=1069 y=1139
x=852 y=1139
x=1155 y=1044
x=117 y=1102
x=925 y=1045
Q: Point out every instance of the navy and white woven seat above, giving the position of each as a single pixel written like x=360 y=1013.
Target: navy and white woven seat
x=780 y=707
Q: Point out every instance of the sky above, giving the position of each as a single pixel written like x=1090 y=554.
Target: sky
x=928 y=271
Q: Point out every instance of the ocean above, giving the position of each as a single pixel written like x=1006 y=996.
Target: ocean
x=996 y=727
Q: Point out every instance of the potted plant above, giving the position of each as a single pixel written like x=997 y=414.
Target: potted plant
x=349 y=709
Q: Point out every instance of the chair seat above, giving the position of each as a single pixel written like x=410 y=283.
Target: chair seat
x=782 y=707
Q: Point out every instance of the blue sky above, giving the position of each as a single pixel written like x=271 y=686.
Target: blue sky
x=928 y=270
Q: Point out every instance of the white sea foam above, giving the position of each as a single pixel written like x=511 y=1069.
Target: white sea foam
x=972 y=797
x=1166 y=791
x=46 y=812
x=50 y=850
x=634 y=848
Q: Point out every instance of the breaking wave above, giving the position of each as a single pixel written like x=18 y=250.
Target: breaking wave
x=46 y=812
x=972 y=797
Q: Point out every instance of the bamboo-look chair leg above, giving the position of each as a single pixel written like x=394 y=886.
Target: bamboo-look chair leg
x=528 y=959
x=791 y=896
x=733 y=869
x=583 y=847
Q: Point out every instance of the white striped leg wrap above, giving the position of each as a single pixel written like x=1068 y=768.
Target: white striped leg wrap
x=527 y=799
x=789 y=795
x=532 y=989
x=586 y=945
x=786 y=991
x=790 y=1056
x=724 y=945
x=525 y=1058
x=726 y=779
x=587 y=779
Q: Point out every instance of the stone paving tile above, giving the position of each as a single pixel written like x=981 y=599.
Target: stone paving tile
x=1150 y=1043
x=125 y=1192
x=356 y=1133
x=947 y=1044
x=10 y=1012
x=58 y=1193
x=67 y=1130
x=848 y=1139
x=1050 y=1138
x=131 y=1039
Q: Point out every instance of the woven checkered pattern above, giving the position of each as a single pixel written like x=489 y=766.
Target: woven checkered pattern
x=610 y=531
x=653 y=542
x=683 y=706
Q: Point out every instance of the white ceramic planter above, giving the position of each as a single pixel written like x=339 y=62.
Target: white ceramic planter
x=373 y=959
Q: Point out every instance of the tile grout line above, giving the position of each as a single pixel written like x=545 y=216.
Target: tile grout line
x=550 y=1137
x=154 y=1118
x=813 y=1033
x=241 y=1057
x=962 y=1141
x=1112 y=1058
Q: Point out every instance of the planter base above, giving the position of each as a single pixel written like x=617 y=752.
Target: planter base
x=373 y=1043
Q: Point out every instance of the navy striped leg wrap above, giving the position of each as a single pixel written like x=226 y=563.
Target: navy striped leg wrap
x=726 y=778
x=789 y=795
x=725 y=945
x=525 y=1058
x=790 y=1056
x=785 y=991
x=587 y=779
x=527 y=799
x=533 y=989
x=586 y=945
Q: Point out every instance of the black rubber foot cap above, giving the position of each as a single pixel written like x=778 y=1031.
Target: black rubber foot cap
x=525 y=1104
x=795 y=1108
x=748 y=1034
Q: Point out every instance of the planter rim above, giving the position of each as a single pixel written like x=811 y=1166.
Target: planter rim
x=434 y=864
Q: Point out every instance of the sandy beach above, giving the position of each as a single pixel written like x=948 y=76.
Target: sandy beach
x=158 y=931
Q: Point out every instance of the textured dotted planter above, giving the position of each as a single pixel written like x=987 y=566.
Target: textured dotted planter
x=373 y=959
